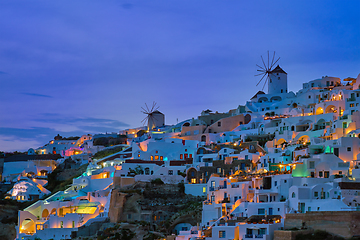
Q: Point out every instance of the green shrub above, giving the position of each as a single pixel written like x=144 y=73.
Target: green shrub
x=157 y=181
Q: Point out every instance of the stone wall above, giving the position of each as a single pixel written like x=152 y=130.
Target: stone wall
x=123 y=181
x=288 y=234
x=342 y=223
x=117 y=202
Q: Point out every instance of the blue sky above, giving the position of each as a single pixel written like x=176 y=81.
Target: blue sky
x=75 y=67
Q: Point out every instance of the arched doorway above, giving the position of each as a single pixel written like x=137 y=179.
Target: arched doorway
x=280 y=142
x=187 y=124
x=304 y=139
x=330 y=109
x=192 y=175
x=27 y=226
x=53 y=211
x=247 y=118
x=319 y=110
x=45 y=213
x=320 y=124
x=203 y=138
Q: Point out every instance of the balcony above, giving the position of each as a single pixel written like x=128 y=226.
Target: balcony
x=254 y=236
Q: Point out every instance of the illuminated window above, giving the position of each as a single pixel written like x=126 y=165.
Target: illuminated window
x=185 y=156
x=222 y=234
x=190 y=155
x=193 y=180
x=151 y=158
x=73 y=224
x=161 y=158
x=61 y=224
x=156 y=157
x=204 y=189
x=138 y=155
x=181 y=156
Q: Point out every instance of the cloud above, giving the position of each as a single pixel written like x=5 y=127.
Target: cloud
x=97 y=129
x=28 y=133
x=36 y=95
x=24 y=138
x=13 y=144
x=83 y=123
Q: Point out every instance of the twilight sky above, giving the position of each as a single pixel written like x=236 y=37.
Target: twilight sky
x=76 y=67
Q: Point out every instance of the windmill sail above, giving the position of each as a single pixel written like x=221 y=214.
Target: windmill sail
x=266 y=69
x=153 y=118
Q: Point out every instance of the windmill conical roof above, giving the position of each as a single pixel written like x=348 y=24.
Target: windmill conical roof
x=278 y=69
x=156 y=111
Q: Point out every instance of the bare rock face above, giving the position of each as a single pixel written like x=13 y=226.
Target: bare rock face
x=156 y=208
x=7 y=231
x=8 y=219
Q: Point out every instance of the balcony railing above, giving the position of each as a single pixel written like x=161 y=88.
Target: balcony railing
x=252 y=236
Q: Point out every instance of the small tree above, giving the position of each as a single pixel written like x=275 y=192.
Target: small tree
x=181 y=187
x=157 y=181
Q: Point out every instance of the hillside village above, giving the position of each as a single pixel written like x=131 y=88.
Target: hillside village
x=282 y=164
